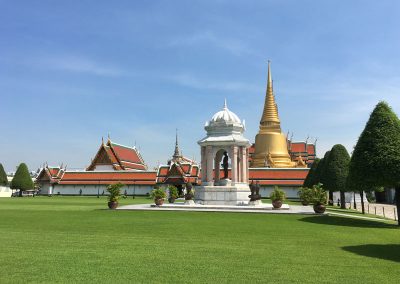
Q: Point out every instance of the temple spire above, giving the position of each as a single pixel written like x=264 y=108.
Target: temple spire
x=270 y=112
x=225 y=104
x=177 y=152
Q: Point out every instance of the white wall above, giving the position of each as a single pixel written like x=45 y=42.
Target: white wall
x=95 y=189
x=5 y=191
x=104 y=168
x=349 y=197
x=291 y=191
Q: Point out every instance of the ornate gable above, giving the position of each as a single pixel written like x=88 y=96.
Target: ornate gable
x=117 y=157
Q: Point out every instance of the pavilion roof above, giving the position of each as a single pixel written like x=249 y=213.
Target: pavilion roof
x=119 y=156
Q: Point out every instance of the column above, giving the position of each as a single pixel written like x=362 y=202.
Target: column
x=244 y=164
x=216 y=168
x=203 y=164
x=210 y=160
x=234 y=164
x=239 y=164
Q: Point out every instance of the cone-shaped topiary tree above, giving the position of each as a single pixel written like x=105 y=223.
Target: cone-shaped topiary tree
x=321 y=170
x=310 y=179
x=320 y=174
x=22 y=179
x=3 y=176
x=336 y=171
x=376 y=156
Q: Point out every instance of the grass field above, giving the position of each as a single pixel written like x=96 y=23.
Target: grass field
x=72 y=239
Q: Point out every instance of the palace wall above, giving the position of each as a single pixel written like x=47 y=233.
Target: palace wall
x=5 y=191
x=67 y=189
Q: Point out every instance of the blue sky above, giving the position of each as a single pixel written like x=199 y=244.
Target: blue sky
x=74 y=71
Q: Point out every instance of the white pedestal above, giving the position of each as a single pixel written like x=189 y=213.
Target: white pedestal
x=255 y=203
x=189 y=202
x=223 y=195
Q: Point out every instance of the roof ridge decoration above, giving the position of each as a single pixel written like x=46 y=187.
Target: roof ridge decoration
x=177 y=152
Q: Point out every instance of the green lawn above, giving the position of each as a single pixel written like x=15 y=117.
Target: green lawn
x=72 y=239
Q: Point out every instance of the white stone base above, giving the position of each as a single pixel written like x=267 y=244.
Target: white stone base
x=189 y=202
x=255 y=203
x=223 y=195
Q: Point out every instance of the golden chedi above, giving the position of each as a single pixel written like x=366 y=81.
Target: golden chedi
x=271 y=145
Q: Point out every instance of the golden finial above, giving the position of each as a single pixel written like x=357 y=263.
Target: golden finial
x=270 y=112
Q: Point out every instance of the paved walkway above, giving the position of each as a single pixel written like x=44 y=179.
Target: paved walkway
x=383 y=210
x=265 y=208
x=357 y=217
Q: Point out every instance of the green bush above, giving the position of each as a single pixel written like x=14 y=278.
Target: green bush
x=173 y=191
x=115 y=191
x=318 y=195
x=277 y=194
x=305 y=194
x=158 y=193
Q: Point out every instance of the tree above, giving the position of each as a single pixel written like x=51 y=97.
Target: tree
x=336 y=171
x=376 y=156
x=22 y=179
x=320 y=171
x=3 y=176
x=310 y=179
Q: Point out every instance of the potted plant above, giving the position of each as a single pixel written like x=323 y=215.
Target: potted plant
x=319 y=198
x=158 y=194
x=173 y=193
x=277 y=196
x=114 y=191
x=305 y=195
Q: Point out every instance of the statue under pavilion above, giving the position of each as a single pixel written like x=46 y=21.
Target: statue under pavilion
x=224 y=141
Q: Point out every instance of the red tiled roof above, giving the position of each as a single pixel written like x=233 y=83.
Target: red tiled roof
x=121 y=157
x=186 y=168
x=195 y=170
x=126 y=154
x=132 y=166
x=298 y=147
x=311 y=149
x=111 y=155
x=125 y=177
x=163 y=170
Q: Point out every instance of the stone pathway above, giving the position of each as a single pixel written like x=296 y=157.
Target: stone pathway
x=384 y=210
x=265 y=208
x=357 y=217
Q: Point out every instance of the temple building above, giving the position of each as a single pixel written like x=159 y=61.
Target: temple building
x=179 y=170
x=274 y=159
x=112 y=163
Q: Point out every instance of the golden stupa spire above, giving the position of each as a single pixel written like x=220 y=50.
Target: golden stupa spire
x=271 y=145
x=270 y=112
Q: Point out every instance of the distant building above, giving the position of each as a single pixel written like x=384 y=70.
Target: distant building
x=179 y=170
x=113 y=163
